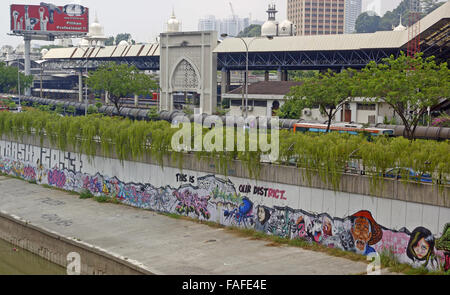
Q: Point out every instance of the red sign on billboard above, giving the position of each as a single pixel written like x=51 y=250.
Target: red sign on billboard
x=46 y=17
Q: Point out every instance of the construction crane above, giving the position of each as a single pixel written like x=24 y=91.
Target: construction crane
x=414 y=27
x=234 y=19
x=232 y=12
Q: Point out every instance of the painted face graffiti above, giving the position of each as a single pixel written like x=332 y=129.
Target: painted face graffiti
x=327 y=227
x=361 y=232
x=365 y=232
x=421 y=245
x=261 y=215
x=421 y=249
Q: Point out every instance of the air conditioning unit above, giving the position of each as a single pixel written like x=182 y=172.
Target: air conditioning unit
x=250 y=108
x=307 y=112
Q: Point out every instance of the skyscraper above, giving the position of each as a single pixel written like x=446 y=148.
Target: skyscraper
x=207 y=23
x=318 y=17
x=231 y=26
x=353 y=9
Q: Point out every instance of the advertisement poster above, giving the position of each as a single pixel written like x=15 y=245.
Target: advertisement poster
x=46 y=17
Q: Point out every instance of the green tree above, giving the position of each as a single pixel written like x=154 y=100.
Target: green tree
x=409 y=85
x=153 y=113
x=292 y=108
x=124 y=37
x=8 y=80
x=299 y=75
x=251 y=31
x=71 y=110
x=120 y=81
x=109 y=41
x=366 y=23
x=430 y=5
x=328 y=92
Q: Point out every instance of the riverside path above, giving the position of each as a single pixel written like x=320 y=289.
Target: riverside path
x=162 y=244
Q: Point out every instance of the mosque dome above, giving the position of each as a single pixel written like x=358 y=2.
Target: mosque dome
x=124 y=43
x=96 y=29
x=269 y=28
x=44 y=51
x=287 y=28
x=400 y=27
x=173 y=24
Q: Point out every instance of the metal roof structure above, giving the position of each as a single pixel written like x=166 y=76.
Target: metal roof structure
x=144 y=57
x=281 y=53
x=335 y=51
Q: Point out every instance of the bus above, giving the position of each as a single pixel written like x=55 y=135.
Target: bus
x=353 y=129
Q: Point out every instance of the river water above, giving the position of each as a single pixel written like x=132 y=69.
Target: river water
x=16 y=261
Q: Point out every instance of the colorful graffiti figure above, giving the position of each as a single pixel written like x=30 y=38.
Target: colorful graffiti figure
x=29 y=173
x=243 y=214
x=92 y=184
x=263 y=215
x=327 y=227
x=365 y=232
x=192 y=203
x=421 y=247
x=301 y=228
x=444 y=244
x=315 y=230
x=56 y=178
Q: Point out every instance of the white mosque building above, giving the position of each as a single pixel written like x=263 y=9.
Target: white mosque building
x=173 y=24
x=271 y=28
x=95 y=37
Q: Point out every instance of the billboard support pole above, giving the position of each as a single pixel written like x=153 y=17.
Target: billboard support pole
x=27 y=40
x=80 y=86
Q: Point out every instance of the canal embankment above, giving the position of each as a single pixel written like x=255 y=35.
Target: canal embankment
x=53 y=223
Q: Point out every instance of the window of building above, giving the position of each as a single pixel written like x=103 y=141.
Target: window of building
x=366 y=107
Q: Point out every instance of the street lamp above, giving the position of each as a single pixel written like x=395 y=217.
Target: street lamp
x=18 y=80
x=41 y=63
x=247 y=46
x=86 y=88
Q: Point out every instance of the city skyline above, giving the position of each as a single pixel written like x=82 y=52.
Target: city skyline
x=145 y=26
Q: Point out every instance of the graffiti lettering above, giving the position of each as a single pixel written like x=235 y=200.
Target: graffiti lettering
x=56 y=178
x=185 y=178
x=263 y=191
x=220 y=200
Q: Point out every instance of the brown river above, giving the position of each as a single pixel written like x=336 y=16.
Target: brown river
x=16 y=261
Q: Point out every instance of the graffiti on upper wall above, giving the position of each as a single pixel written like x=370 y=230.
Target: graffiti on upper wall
x=219 y=200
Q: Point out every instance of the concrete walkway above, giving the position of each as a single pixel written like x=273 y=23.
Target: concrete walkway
x=164 y=245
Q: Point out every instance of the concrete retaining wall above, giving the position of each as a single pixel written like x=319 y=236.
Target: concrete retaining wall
x=56 y=248
x=280 y=203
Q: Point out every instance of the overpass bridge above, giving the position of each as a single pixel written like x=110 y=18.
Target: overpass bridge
x=281 y=53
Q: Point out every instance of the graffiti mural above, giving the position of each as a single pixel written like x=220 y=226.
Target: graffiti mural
x=214 y=199
x=444 y=244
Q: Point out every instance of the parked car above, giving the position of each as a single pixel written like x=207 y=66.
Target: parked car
x=399 y=172
x=354 y=166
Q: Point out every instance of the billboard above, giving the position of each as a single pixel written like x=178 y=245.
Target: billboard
x=48 y=18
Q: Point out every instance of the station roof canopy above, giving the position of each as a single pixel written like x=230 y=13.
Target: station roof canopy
x=437 y=20
x=119 y=51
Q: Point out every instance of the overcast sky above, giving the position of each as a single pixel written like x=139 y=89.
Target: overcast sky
x=145 y=19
